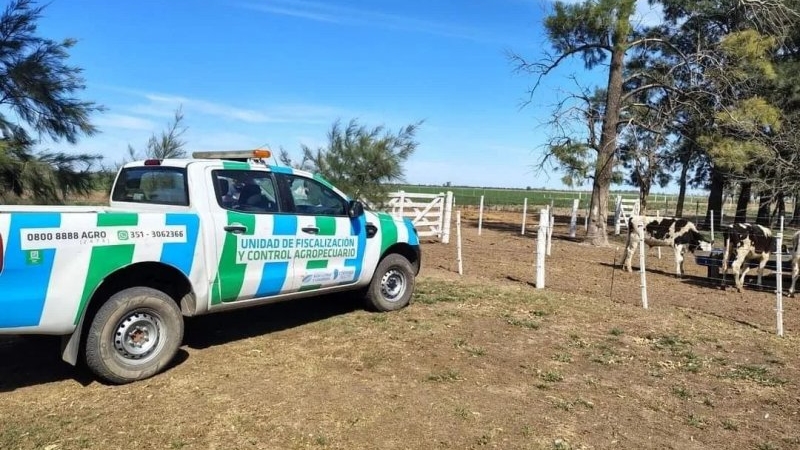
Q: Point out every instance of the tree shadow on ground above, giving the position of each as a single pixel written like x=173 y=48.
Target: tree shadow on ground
x=31 y=360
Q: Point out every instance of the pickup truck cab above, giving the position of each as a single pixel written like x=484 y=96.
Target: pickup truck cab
x=187 y=237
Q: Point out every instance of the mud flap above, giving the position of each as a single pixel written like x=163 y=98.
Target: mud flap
x=71 y=344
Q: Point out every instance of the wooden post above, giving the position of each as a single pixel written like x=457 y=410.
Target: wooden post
x=550 y=232
x=480 y=217
x=643 y=277
x=458 y=243
x=402 y=203
x=541 y=241
x=658 y=249
x=779 y=281
x=524 y=213
x=448 y=211
x=617 y=214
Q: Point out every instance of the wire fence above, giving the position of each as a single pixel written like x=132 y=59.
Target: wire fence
x=501 y=246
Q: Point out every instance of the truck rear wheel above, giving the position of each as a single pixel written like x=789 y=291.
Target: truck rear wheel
x=134 y=335
x=392 y=284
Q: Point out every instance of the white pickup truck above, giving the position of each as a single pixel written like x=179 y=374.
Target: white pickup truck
x=187 y=237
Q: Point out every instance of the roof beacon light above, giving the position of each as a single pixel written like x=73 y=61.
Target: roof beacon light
x=234 y=155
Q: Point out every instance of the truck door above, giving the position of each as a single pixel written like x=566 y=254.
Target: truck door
x=329 y=246
x=251 y=237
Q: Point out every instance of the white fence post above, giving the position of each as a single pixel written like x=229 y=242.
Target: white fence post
x=458 y=243
x=550 y=231
x=779 y=281
x=573 y=220
x=524 y=213
x=617 y=214
x=586 y=220
x=541 y=241
x=448 y=211
x=402 y=203
x=658 y=249
x=641 y=266
x=480 y=218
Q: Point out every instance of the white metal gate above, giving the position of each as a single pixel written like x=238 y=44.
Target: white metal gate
x=430 y=213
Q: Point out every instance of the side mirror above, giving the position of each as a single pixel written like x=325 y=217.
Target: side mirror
x=355 y=209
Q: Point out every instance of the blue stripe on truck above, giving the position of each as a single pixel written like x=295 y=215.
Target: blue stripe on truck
x=23 y=286
x=181 y=255
x=274 y=274
x=357 y=228
x=413 y=238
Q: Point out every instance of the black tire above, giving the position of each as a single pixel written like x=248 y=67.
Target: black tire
x=134 y=313
x=392 y=284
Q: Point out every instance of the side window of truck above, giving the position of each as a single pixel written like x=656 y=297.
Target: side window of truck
x=250 y=191
x=152 y=184
x=310 y=197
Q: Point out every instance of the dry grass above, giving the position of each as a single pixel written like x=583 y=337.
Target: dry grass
x=468 y=365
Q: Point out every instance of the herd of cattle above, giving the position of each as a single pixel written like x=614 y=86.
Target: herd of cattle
x=744 y=242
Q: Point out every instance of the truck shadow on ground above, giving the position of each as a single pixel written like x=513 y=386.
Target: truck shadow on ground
x=33 y=360
x=219 y=329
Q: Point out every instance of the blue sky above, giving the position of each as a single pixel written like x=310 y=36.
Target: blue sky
x=280 y=72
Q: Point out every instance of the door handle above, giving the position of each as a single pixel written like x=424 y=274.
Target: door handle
x=310 y=230
x=235 y=229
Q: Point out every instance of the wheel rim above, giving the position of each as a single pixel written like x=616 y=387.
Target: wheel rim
x=138 y=336
x=393 y=285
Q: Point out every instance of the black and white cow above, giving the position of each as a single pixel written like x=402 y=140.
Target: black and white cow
x=680 y=234
x=795 y=261
x=745 y=242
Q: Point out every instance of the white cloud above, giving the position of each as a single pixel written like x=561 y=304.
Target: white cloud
x=325 y=12
x=123 y=121
x=164 y=106
x=210 y=108
x=644 y=15
x=222 y=140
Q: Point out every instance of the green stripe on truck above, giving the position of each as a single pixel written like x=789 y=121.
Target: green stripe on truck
x=106 y=259
x=388 y=231
x=230 y=276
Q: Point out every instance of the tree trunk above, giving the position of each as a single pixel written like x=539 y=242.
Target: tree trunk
x=682 y=188
x=745 y=192
x=644 y=191
x=715 y=198
x=779 y=211
x=764 y=203
x=796 y=212
x=606 y=155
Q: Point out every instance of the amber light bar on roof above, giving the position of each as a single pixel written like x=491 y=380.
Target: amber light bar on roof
x=234 y=155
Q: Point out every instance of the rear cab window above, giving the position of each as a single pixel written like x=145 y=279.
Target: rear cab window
x=160 y=185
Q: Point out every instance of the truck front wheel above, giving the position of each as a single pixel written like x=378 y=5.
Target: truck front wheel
x=392 y=285
x=134 y=335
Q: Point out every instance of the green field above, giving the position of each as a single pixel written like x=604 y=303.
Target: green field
x=498 y=197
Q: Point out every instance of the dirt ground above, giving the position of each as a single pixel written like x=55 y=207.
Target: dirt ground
x=501 y=253
x=482 y=360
